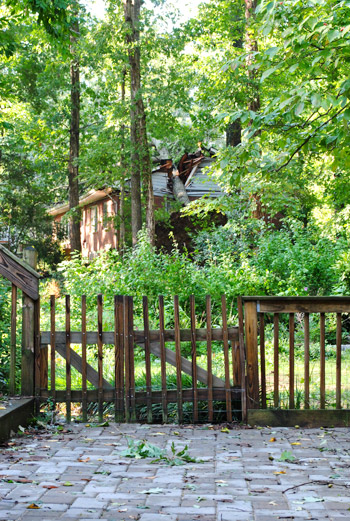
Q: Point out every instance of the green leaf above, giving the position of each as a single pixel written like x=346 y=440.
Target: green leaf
x=316 y=100
x=268 y=73
x=299 y=108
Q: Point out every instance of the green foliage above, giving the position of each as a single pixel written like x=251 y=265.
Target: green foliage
x=143 y=449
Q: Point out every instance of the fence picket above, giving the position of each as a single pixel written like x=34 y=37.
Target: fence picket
x=338 y=364
x=83 y=358
x=262 y=360
x=322 y=361
x=12 y=386
x=178 y=359
x=119 y=357
x=68 y=363
x=194 y=358
x=147 y=359
x=53 y=346
x=127 y=357
x=100 y=356
x=307 y=360
x=291 y=361
x=276 y=397
x=209 y=359
x=226 y=358
x=131 y=358
x=163 y=360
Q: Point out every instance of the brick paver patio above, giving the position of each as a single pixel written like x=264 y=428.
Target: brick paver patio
x=80 y=474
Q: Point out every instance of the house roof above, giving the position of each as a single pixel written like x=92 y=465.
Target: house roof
x=197 y=184
x=89 y=198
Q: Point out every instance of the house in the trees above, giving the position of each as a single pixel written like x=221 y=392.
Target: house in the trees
x=99 y=230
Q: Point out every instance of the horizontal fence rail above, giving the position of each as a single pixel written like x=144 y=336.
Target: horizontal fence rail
x=296 y=358
x=145 y=373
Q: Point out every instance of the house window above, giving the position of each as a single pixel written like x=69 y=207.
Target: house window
x=94 y=218
x=105 y=216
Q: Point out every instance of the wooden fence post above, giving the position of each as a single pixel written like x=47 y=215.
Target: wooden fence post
x=28 y=333
x=251 y=334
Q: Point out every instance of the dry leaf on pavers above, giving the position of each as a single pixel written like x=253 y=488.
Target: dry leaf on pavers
x=50 y=486
x=296 y=443
x=225 y=429
x=152 y=491
x=272 y=439
x=273 y=503
x=33 y=506
x=280 y=472
x=84 y=460
x=67 y=484
x=2 y=408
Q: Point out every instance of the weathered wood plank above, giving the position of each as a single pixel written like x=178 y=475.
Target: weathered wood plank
x=28 y=332
x=194 y=358
x=119 y=358
x=242 y=351
x=53 y=344
x=322 y=361
x=301 y=304
x=131 y=359
x=338 y=363
x=251 y=336
x=262 y=360
x=291 y=361
x=147 y=359
x=12 y=387
x=100 y=356
x=19 y=273
x=68 y=361
x=209 y=359
x=178 y=359
x=139 y=336
x=307 y=360
x=276 y=391
x=162 y=354
x=302 y=417
x=226 y=359
x=83 y=358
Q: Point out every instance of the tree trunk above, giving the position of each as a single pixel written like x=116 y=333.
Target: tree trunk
x=251 y=46
x=73 y=168
x=179 y=190
x=124 y=166
x=233 y=133
x=140 y=157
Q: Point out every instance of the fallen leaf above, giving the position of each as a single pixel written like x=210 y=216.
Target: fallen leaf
x=296 y=426
x=225 y=429
x=33 y=506
x=280 y=472
x=2 y=408
x=296 y=443
x=273 y=503
x=67 y=484
x=50 y=486
x=272 y=439
x=152 y=491
x=84 y=460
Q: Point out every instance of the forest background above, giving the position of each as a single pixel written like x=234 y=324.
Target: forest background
x=266 y=85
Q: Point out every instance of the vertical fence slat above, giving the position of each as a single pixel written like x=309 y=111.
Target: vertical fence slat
x=68 y=364
x=127 y=358
x=178 y=359
x=37 y=357
x=322 y=360
x=13 y=340
x=307 y=360
x=226 y=358
x=119 y=357
x=338 y=364
x=132 y=359
x=83 y=358
x=147 y=359
x=291 y=361
x=251 y=329
x=276 y=397
x=209 y=360
x=162 y=360
x=194 y=358
x=42 y=368
x=242 y=355
x=53 y=347
x=262 y=360
x=100 y=356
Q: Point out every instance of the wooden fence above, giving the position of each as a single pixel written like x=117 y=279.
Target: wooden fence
x=328 y=395
x=208 y=393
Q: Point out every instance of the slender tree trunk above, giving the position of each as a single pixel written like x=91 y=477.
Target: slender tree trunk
x=124 y=166
x=140 y=158
x=73 y=169
x=251 y=46
x=234 y=133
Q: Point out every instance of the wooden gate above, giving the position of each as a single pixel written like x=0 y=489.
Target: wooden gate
x=165 y=393
x=305 y=380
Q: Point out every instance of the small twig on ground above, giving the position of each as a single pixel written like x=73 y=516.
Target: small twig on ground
x=317 y=483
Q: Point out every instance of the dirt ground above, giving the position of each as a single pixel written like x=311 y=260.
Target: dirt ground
x=82 y=471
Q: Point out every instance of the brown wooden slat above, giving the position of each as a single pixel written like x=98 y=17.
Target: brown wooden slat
x=131 y=359
x=127 y=358
x=178 y=359
x=83 y=358
x=147 y=359
x=322 y=361
x=109 y=395
x=307 y=360
x=291 y=361
x=236 y=363
x=226 y=359
x=251 y=329
x=119 y=358
x=303 y=304
x=53 y=345
x=37 y=355
x=338 y=363
x=12 y=387
x=139 y=336
x=28 y=347
x=19 y=273
x=262 y=360
x=276 y=395
x=43 y=368
x=100 y=356
x=209 y=359
x=163 y=360
x=242 y=352
x=68 y=361
x=194 y=358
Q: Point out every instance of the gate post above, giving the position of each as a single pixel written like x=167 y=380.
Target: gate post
x=29 y=325
x=251 y=334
